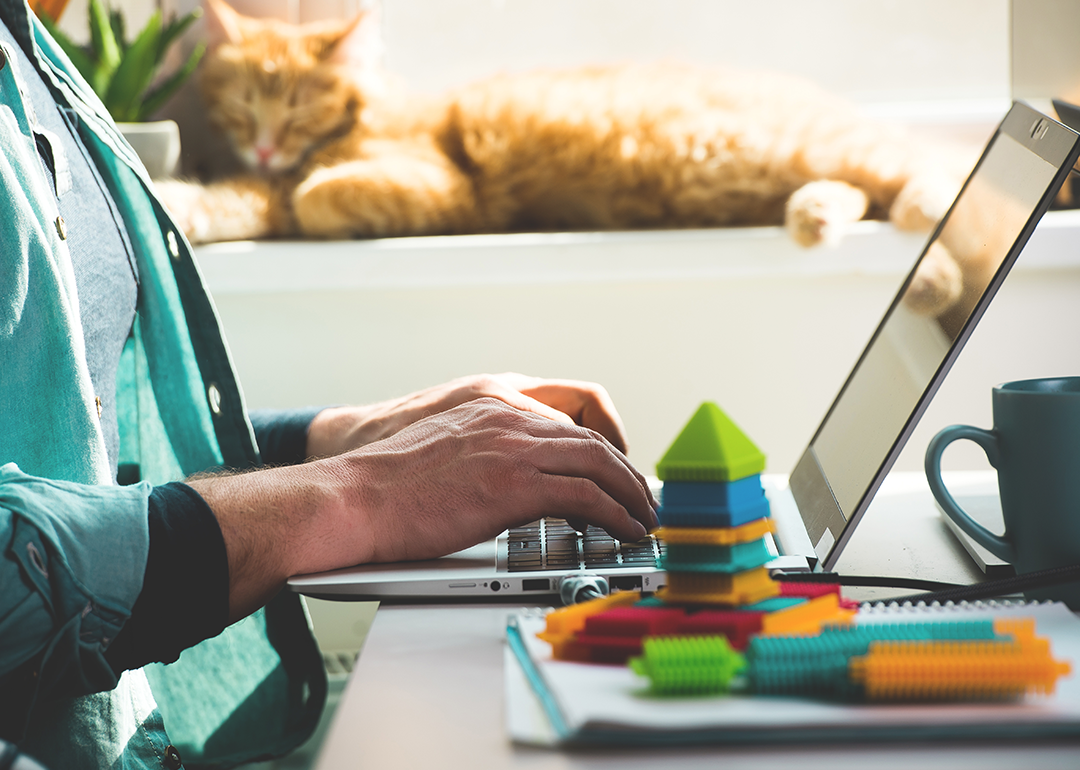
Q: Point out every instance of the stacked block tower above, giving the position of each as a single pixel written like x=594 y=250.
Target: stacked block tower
x=714 y=516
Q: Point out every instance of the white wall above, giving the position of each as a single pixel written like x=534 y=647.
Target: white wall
x=741 y=330
x=885 y=51
x=664 y=320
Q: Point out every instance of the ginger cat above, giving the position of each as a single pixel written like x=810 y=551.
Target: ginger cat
x=335 y=153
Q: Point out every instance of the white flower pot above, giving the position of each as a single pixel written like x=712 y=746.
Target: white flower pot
x=157 y=144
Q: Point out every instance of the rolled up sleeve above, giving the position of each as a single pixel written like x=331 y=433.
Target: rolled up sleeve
x=72 y=561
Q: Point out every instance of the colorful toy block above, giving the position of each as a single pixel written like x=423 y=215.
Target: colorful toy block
x=686 y=516
x=710 y=448
x=719 y=588
x=739 y=557
x=807 y=618
x=568 y=620
x=692 y=665
x=816 y=665
x=745 y=533
x=956 y=670
x=712 y=494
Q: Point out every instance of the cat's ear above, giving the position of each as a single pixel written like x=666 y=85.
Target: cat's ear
x=222 y=23
x=360 y=45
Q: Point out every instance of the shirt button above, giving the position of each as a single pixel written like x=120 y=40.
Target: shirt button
x=172 y=759
x=174 y=245
x=214 y=396
x=61 y=228
x=3 y=58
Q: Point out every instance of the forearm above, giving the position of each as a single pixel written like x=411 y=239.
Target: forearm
x=437 y=486
x=279 y=522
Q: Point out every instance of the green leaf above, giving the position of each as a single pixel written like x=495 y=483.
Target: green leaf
x=83 y=63
x=160 y=94
x=174 y=29
x=116 y=23
x=134 y=73
x=102 y=41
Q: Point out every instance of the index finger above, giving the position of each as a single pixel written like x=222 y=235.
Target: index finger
x=588 y=404
x=590 y=457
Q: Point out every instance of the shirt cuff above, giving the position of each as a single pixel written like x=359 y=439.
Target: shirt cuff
x=185 y=594
x=282 y=433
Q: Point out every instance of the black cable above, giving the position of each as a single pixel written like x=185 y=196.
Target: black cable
x=943 y=592
x=864 y=581
x=1003 y=587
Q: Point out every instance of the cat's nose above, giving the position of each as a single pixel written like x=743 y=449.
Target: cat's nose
x=263 y=152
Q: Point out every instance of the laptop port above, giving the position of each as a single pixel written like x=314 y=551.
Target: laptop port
x=536 y=584
x=625 y=582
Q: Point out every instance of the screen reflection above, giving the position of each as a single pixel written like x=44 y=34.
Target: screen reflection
x=913 y=341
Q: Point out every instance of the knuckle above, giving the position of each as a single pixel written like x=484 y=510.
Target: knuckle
x=585 y=495
x=482 y=384
x=594 y=451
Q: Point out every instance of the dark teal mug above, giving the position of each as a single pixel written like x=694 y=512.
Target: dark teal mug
x=1035 y=448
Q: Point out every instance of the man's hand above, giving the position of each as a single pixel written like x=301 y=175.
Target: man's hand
x=587 y=404
x=439 y=485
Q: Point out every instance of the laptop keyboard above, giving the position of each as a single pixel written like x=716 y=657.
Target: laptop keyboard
x=552 y=544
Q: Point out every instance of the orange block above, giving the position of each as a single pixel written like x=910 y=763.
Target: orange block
x=957 y=670
x=744 y=533
x=806 y=618
x=567 y=621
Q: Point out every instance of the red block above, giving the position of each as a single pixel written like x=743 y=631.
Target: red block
x=635 y=621
x=737 y=625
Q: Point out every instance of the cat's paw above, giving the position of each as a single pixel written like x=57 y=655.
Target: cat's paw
x=936 y=285
x=232 y=210
x=818 y=212
x=184 y=200
x=923 y=201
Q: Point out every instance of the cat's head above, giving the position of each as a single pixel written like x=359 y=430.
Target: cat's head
x=280 y=90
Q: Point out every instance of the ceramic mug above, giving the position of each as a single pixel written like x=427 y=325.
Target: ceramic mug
x=1035 y=448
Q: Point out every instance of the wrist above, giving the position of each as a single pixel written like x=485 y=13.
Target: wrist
x=276 y=523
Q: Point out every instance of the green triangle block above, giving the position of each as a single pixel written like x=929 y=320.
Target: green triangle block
x=710 y=448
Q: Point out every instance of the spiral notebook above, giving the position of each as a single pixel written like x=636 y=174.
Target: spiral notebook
x=556 y=703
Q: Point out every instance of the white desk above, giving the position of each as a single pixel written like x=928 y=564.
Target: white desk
x=427 y=691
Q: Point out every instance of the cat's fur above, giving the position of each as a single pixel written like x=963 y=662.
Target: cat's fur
x=334 y=153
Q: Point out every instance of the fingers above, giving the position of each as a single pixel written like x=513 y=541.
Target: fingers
x=570 y=402
x=576 y=473
x=587 y=403
x=582 y=502
x=526 y=403
x=615 y=494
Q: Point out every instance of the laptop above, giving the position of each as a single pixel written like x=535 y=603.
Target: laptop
x=816 y=511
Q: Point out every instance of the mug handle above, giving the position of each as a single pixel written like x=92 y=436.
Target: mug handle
x=987 y=439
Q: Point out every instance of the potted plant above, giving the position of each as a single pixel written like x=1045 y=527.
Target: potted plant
x=126 y=77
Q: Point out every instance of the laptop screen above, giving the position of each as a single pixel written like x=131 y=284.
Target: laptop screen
x=911 y=351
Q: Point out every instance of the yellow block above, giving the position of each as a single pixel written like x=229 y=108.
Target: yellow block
x=806 y=618
x=748 y=587
x=745 y=533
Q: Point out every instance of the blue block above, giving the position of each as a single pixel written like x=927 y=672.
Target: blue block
x=712 y=494
x=775 y=604
x=727 y=559
x=697 y=516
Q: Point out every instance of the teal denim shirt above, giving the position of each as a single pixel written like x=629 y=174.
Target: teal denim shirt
x=73 y=545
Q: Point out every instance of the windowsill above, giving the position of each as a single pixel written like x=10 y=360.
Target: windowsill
x=244 y=267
